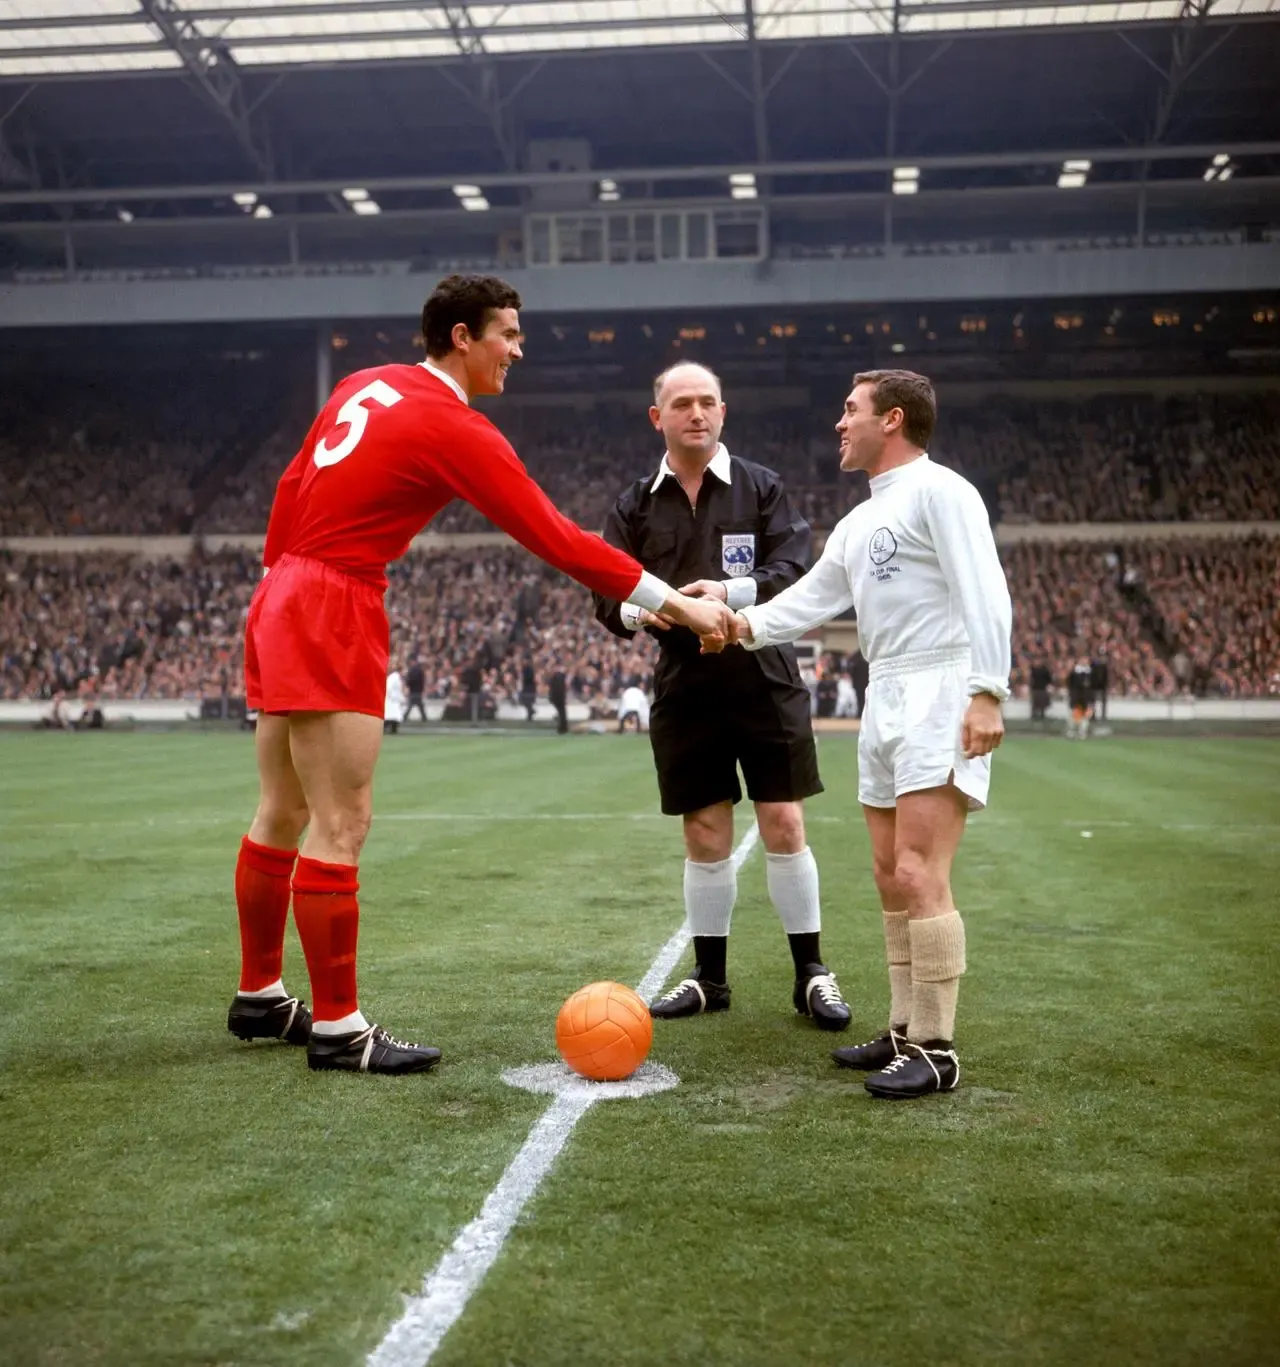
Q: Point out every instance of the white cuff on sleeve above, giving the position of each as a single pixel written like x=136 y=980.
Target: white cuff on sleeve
x=740 y=593
x=630 y=615
x=651 y=592
x=759 y=636
x=981 y=684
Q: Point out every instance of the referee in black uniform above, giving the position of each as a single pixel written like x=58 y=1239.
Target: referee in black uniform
x=725 y=528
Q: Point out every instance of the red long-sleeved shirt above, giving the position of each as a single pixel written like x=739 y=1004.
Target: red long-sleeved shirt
x=391 y=447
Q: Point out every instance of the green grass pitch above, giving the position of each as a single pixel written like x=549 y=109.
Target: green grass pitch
x=1101 y=1190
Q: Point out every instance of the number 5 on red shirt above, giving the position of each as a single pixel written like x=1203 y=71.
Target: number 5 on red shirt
x=355 y=416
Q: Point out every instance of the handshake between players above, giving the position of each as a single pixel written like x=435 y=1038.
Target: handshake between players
x=708 y=616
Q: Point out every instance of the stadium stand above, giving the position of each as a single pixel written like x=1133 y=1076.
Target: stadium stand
x=124 y=469
x=1177 y=616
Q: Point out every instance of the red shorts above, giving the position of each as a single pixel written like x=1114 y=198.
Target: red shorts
x=316 y=640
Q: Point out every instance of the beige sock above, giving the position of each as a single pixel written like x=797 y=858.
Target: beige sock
x=937 y=961
x=897 y=951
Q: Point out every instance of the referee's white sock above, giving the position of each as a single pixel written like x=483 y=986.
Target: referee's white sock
x=710 y=890
x=793 y=890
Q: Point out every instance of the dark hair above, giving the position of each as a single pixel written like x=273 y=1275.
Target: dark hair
x=908 y=391
x=469 y=299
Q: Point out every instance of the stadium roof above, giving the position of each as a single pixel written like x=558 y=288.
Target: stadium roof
x=44 y=38
x=260 y=131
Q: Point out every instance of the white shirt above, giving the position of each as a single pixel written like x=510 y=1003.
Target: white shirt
x=393 y=709
x=918 y=563
x=634 y=700
x=739 y=593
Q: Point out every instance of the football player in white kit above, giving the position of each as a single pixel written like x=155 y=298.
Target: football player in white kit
x=918 y=563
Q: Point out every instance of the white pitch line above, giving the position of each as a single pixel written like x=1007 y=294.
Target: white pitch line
x=414 y=1337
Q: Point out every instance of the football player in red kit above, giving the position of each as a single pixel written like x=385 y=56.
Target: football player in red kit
x=391 y=447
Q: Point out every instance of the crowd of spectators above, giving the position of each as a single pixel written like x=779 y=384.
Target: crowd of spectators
x=98 y=458
x=120 y=626
x=1218 y=608
x=1198 y=458
x=1169 y=616
x=114 y=466
x=113 y=626
x=1068 y=606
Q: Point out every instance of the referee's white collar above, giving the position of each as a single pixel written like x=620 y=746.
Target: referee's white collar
x=447 y=378
x=719 y=466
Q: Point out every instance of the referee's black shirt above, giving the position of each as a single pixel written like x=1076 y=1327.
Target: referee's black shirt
x=746 y=528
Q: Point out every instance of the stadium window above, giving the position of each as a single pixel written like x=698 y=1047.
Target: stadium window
x=973 y=323
x=782 y=329
x=669 y=237
x=737 y=234
x=693 y=334
x=643 y=227
x=619 y=234
x=600 y=336
x=540 y=242
x=1166 y=318
x=1067 y=322
x=697 y=236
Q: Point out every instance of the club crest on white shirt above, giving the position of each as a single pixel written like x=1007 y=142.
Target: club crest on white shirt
x=883 y=546
x=737 y=553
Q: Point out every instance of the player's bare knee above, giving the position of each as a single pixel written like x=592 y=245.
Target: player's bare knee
x=343 y=831
x=279 y=826
x=914 y=878
x=886 y=883
x=781 y=826
x=708 y=837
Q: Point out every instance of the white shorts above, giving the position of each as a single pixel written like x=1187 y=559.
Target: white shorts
x=910 y=736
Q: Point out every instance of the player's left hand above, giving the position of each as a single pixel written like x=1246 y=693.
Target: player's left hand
x=983 y=727
x=706 y=588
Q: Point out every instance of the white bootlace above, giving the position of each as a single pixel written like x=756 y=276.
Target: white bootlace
x=677 y=990
x=824 y=984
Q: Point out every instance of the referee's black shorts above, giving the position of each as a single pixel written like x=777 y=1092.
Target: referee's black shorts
x=701 y=733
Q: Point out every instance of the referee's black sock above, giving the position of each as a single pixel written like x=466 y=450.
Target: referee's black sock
x=804 y=949
x=710 y=952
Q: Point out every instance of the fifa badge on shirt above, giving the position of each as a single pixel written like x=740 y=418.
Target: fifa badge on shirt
x=738 y=553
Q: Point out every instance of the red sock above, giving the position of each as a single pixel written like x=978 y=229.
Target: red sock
x=327 y=915
x=262 y=902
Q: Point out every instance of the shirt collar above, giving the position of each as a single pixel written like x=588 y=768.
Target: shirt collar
x=446 y=378
x=719 y=466
x=879 y=483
